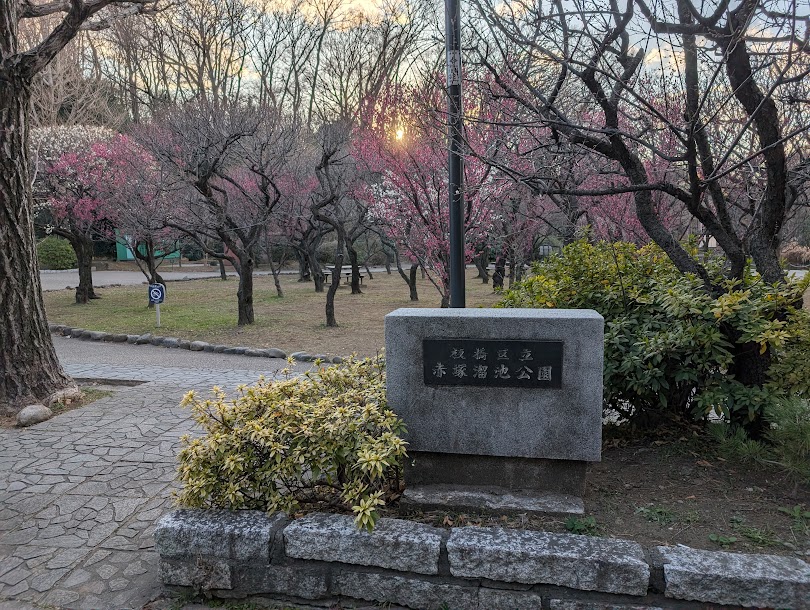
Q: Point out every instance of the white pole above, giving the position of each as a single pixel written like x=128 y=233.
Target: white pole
x=157 y=313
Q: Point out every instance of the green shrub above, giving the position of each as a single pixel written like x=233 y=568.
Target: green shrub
x=670 y=346
x=324 y=437
x=56 y=253
x=787 y=439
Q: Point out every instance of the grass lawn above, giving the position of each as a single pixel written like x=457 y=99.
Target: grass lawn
x=205 y=310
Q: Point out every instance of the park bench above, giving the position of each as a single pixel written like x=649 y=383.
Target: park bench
x=328 y=274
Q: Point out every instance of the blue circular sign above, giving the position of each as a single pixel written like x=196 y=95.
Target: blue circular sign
x=157 y=292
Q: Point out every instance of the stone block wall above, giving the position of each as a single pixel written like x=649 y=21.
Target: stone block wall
x=323 y=559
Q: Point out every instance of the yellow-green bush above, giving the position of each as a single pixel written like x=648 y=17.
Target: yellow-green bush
x=670 y=345
x=324 y=437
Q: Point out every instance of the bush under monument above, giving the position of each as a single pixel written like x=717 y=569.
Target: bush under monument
x=324 y=438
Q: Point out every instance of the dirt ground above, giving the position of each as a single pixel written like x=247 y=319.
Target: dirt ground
x=677 y=492
x=91 y=392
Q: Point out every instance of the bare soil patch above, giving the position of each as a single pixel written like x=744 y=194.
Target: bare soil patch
x=91 y=392
x=670 y=492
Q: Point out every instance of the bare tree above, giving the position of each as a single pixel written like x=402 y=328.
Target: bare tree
x=329 y=197
x=229 y=159
x=368 y=55
x=71 y=89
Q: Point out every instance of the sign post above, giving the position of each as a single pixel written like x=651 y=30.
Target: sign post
x=157 y=293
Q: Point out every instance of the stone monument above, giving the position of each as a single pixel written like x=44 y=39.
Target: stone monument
x=503 y=406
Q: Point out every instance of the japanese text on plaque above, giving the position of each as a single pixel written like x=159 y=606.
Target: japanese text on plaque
x=493 y=362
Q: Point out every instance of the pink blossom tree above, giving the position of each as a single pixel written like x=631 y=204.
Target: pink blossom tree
x=139 y=197
x=225 y=163
x=71 y=171
x=405 y=159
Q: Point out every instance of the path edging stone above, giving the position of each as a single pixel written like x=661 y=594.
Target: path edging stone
x=194 y=346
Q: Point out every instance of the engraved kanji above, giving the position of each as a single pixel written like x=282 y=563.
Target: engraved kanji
x=457 y=353
x=524 y=372
x=460 y=370
x=439 y=370
x=544 y=373
x=503 y=354
x=502 y=372
x=526 y=355
x=480 y=371
x=480 y=353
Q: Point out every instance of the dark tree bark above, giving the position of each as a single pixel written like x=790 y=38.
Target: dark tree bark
x=315 y=268
x=275 y=271
x=388 y=261
x=331 y=320
x=410 y=278
x=500 y=272
x=355 y=265
x=29 y=369
x=481 y=261
x=244 y=294
x=303 y=268
x=412 y=282
x=83 y=246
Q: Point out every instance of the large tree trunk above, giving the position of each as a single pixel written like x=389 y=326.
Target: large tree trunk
x=84 y=256
x=244 y=294
x=29 y=369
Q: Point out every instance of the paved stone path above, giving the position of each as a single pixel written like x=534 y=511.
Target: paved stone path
x=80 y=494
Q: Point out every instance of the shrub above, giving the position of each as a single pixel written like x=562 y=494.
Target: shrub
x=56 y=253
x=788 y=440
x=670 y=346
x=324 y=437
x=789 y=437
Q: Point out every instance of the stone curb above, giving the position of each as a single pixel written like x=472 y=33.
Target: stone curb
x=324 y=557
x=395 y=544
x=735 y=578
x=194 y=346
x=612 y=566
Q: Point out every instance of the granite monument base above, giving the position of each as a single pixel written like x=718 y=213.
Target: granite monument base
x=503 y=407
x=493 y=484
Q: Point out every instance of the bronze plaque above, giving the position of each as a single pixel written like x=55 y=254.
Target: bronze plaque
x=496 y=363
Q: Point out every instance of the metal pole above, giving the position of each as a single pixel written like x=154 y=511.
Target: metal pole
x=157 y=313
x=452 y=25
